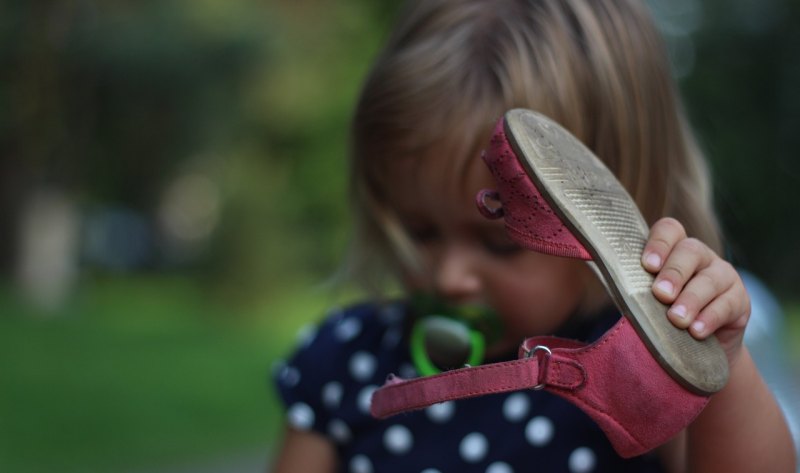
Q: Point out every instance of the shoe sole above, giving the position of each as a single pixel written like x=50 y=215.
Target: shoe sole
x=601 y=214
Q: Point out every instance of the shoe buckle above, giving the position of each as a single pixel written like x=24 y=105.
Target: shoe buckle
x=544 y=362
x=489 y=205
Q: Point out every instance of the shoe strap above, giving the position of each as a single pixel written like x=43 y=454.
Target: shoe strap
x=539 y=368
x=614 y=380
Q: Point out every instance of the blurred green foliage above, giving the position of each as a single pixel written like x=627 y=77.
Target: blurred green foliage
x=744 y=99
x=110 y=101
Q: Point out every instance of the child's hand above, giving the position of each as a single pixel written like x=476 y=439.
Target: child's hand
x=704 y=292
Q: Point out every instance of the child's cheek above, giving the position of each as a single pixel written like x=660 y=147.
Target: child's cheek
x=414 y=282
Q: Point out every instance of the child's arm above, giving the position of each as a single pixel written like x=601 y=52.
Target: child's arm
x=305 y=452
x=742 y=428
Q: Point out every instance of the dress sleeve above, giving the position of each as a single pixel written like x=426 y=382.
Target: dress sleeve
x=300 y=379
x=313 y=382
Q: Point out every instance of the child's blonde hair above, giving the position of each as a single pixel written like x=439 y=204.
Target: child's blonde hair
x=451 y=68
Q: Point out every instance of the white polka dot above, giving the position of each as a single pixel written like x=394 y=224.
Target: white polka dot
x=277 y=366
x=539 y=431
x=516 y=407
x=332 y=394
x=398 y=439
x=582 y=460
x=306 y=334
x=391 y=338
x=430 y=470
x=473 y=447
x=360 y=464
x=347 y=329
x=364 y=399
x=499 y=467
x=335 y=313
x=407 y=371
x=339 y=430
x=392 y=313
x=290 y=375
x=301 y=416
x=362 y=365
x=441 y=412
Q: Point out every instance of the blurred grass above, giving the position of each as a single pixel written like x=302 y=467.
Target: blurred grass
x=140 y=372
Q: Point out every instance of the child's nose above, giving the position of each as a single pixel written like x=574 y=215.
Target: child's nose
x=456 y=277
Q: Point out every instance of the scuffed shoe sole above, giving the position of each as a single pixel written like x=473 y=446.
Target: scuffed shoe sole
x=600 y=213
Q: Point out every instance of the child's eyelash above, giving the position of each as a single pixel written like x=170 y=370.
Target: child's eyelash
x=502 y=248
x=422 y=233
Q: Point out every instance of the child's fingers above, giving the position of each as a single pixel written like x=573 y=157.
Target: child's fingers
x=726 y=311
x=664 y=235
x=701 y=293
x=730 y=309
x=686 y=258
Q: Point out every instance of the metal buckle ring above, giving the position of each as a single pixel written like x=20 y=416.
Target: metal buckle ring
x=542 y=367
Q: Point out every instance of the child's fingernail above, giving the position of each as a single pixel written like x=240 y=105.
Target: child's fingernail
x=698 y=326
x=653 y=260
x=678 y=311
x=665 y=287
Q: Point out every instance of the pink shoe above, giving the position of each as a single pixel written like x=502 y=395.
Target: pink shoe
x=644 y=380
x=559 y=198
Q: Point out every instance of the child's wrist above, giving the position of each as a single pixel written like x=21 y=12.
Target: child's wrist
x=742 y=367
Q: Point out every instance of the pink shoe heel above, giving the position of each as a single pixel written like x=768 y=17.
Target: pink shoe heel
x=614 y=380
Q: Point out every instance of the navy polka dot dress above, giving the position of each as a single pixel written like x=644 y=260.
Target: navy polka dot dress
x=328 y=383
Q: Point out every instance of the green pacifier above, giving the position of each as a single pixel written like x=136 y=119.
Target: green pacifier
x=446 y=337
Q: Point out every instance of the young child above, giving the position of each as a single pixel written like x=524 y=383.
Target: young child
x=449 y=71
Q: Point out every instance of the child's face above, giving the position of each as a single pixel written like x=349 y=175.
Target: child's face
x=470 y=260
